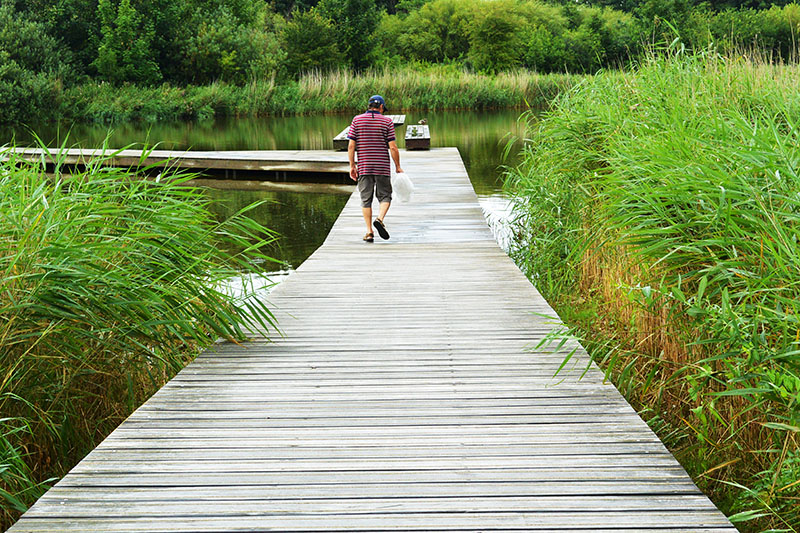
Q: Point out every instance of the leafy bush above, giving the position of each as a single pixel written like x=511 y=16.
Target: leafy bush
x=355 y=21
x=25 y=95
x=439 y=31
x=311 y=42
x=496 y=40
x=220 y=45
x=32 y=67
x=29 y=43
x=126 y=50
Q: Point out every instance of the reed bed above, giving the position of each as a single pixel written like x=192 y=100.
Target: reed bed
x=409 y=88
x=110 y=284
x=658 y=210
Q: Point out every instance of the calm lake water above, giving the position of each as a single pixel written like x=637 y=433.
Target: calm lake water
x=303 y=219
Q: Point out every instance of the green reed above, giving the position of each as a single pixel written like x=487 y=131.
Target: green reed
x=110 y=284
x=407 y=88
x=659 y=210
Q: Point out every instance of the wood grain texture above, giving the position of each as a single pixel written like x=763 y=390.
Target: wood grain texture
x=319 y=161
x=405 y=393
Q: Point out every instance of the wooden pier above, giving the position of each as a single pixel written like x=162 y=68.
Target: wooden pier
x=405 y=395
x=273 y=165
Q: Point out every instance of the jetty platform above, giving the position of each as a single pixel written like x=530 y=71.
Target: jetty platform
x=404 y=394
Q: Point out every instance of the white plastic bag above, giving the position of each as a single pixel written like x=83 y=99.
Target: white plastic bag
x=402 y=186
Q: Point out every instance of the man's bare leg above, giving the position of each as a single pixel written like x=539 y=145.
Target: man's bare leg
x=384 y=208
x=367 y=212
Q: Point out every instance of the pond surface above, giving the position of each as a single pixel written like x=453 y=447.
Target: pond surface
x=303 y=219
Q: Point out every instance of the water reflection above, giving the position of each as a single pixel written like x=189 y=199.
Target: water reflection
x=304 y=219
x=301 y=219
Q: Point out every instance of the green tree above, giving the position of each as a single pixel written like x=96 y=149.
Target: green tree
x=543 y=46
x=497 y=37
x=356 y=21
x=584 y=47
x=32 y=67
x=311 y=43
x=126 y=52
x=674 y=11
x=29 y=43
x=287 y=7
x=67 y=21
x=224 y=47
x=439 y=31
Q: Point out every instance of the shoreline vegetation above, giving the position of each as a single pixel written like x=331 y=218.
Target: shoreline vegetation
x=429 y=88
x=657 y=210
x=108 y=287
x=119 y=60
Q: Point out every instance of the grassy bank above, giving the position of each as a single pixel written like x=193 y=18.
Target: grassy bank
x=658 y=213
x=109 y=286
x=405 y=89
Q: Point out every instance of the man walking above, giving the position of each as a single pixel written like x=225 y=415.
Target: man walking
x=372 y=135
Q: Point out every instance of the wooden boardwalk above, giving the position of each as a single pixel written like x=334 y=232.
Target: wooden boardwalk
x=403 y=397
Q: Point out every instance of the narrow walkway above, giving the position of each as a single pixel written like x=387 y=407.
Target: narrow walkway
x=404 y=397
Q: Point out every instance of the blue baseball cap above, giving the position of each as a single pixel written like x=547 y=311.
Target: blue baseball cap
x=378 y=99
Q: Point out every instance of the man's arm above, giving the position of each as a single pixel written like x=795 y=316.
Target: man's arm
x=351 y=155
x=393 y=150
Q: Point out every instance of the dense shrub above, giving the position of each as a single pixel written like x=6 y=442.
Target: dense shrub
x=507 y=34
x=355 y=21
x=32 y=67
x=126 y=50
x=26 y=95
x=439 y=31
x=311 y=42
x=496 y=38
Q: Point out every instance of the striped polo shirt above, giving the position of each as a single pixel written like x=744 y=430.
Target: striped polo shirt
x=372 y=133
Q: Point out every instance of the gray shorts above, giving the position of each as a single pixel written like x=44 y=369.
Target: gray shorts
x=381 y=186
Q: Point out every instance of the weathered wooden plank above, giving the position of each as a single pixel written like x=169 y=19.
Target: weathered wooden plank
x=409 y=477
x=617 y=488
x=346 y=412
x=252 y=160
x=456 y=442
x=408 y=393
x=266 y=506
x=205 y=520
x=527 y=462
x=109 y=453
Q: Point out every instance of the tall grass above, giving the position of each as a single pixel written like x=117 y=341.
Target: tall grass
x=109 y=284
x=407 y=88
x=659 y=210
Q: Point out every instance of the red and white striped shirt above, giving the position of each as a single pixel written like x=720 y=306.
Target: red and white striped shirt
x=372 y=133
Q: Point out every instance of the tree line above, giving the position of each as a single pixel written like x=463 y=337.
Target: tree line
x=46 y=45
